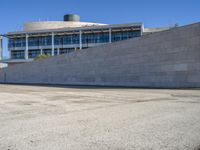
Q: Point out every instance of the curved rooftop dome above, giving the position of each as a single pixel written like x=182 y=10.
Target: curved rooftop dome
x=31 y=26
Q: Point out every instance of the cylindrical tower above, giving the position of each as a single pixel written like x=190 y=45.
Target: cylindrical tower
x=72 y=17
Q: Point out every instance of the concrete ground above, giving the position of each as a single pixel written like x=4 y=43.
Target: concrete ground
x=86 y=118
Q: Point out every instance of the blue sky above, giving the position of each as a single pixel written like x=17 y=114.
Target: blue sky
x=153 y=13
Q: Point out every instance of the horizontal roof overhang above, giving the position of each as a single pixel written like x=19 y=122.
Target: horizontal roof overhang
x=93 y=29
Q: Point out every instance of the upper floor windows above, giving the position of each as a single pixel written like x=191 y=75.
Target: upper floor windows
x=73 y=39
x=95 y=38
x=119 y=36
x=18 y=42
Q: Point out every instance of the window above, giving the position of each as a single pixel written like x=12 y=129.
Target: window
x=124 y=35
x=95 y=38
x=47 y=51
x=34 y=53
x=33 y=41
x=45 y=41
x=66 y=50
x=67 y=39
x=55 y=52
x=71 y=39
x=18 y=42
x=58 y=40
x=17 y=54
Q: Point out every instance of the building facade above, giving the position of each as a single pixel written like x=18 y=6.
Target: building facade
x=168 y=59
x=61 y=37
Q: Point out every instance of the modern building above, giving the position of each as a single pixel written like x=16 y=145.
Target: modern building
x=61 y=37
x=168 y=59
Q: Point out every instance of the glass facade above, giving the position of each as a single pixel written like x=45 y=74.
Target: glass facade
x=40 y=41
x=95 y=38
x=67 y=39
x=72 y=40
x=17 y=42
x=45 y=41
x=119 y=36
x=58 y=40
x=55 y=52
x=18 y=54
x=33 y=41
x=34 y=53
x=66 y=50
x=47 y=51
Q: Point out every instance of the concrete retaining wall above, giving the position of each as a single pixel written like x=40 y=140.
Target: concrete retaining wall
x=169 y=59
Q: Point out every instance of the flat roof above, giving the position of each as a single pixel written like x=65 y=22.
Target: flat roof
x=75 y=29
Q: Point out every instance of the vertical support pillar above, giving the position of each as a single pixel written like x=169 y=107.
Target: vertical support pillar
x=52 y=44
x=41 y=51
x=110 y=35
x=142 y=29
x=58 y=51
x=80 y=39
x=1 y=47
x=26 y=50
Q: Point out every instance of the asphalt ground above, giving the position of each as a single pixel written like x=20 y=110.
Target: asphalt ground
x=91 y=118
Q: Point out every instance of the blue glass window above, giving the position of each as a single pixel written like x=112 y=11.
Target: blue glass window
x=34 y=53
x=66 y=50
x=47 y=51
x=58 y=40
x=18 y=42
x=45 y=41
x=95 y=38
x=17 y=54
x=124 y=35
x=33 y=41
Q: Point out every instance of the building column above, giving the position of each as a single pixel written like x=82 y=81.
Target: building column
x=26 y=50
x=41 y=51
x=58 y=51
x=110 y=35
x=52 y=44
x=80 y=39
x=142 y=29
x=1 y=47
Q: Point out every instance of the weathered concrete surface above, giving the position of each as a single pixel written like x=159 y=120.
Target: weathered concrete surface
x=165 y=59
x=49 y=118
